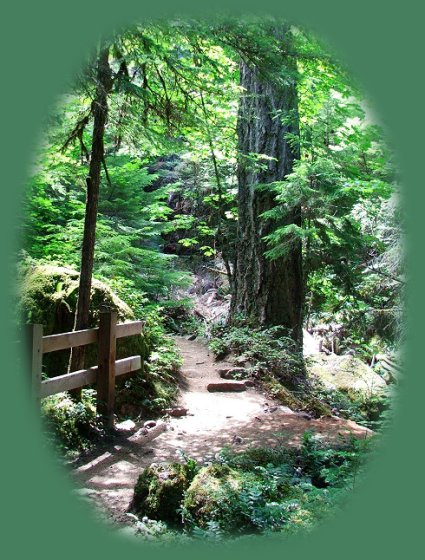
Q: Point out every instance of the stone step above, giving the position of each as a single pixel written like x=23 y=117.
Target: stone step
x=226 y=386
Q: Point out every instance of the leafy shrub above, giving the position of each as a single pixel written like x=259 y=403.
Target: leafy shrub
x=156 y=387
x=178 y=317
x=268 y=350
x=72 y=426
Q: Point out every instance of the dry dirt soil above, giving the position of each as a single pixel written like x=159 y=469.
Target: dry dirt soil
x=214 y=420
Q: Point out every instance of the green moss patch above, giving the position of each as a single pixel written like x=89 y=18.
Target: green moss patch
x=211 y=496
x=48 y=296
x=159 y=491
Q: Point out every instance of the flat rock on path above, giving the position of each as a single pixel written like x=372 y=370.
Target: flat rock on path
x=213 y=420
x=226 y=386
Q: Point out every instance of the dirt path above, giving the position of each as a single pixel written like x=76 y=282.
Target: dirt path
x=239 y=420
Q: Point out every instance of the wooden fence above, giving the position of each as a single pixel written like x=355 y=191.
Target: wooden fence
x=103 y=375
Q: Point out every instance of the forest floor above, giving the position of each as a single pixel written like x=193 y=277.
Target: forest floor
x=238 y=420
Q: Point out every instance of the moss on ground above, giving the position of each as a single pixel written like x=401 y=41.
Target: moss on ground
x=48 y=296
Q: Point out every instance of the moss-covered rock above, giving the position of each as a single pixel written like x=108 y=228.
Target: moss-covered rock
x=345 y=373
x=48 y=295
x=159 y=491
x=211 y=498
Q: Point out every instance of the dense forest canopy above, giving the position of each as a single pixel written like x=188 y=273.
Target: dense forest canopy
x=174 y=155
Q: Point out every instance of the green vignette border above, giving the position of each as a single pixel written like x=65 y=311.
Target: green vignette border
x=377 y=43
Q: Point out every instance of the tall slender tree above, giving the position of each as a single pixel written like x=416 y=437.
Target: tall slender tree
x=268 y=292
x=100 y=113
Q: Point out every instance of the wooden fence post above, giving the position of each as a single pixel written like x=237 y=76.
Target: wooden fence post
x=35 y=344
x=106 y=366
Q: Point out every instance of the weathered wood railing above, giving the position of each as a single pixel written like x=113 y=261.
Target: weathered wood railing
x=103 y=375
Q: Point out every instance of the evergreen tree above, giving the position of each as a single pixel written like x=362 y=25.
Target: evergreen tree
x=267 y=292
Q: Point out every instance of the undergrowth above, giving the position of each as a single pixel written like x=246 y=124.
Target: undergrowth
x=258 y=492
x=155 y=388
x=272 y=359
x=74 y=428
x=266 y=350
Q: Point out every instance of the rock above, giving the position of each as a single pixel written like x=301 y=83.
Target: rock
x=346 y=373
x=240 y=361
x=310 y=344
x=148 y=450
x=126 y=426
x=233 y=373
x=191 y=337
x=304 y=415
x=176 y=412
x=159 y=491
x=249 y=383
x=229 y=386
x=144 y=435
x=48 y=294
x=286 y=410
x=209 y=496
x=84 y=492
x=149 y=424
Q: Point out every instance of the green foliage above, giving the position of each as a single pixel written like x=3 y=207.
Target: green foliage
x=267 y=350
x=73 y=427
x=259 y=491
x=274 y=361
x=291 y=489
x=156 y=387
x=342 y=186
x=370 y=410
x=175 y=97
x=178 y=316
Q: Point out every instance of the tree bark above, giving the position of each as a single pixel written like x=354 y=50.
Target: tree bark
x=266 y=292
x=100 y=113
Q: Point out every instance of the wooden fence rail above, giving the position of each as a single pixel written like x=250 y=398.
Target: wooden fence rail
x=103 y=375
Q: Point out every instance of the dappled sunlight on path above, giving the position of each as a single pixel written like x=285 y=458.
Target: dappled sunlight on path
x=215 y=420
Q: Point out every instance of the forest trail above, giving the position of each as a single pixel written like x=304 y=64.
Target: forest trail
x=214 y=420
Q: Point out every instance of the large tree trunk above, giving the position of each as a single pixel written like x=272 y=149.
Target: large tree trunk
x=100 y=113
x=267 y=292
